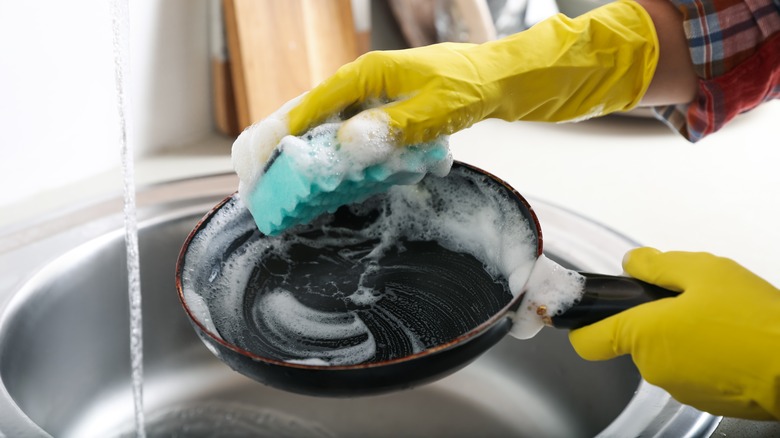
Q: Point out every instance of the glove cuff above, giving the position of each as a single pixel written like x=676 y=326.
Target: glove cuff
x=573 y=69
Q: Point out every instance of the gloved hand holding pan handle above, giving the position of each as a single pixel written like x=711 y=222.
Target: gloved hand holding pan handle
x=716 y=346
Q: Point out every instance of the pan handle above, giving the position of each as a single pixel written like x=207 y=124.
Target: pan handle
x=606 y=295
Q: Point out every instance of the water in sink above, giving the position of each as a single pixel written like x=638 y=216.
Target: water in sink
x=120 y=32
x=227 y=420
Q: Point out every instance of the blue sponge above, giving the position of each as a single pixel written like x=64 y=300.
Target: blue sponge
x=313 y=174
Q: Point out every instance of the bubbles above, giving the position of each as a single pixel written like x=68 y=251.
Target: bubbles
x=286 y=179
x=253 y=148
x=550 y=291
x=297 y=329
x=366 y=138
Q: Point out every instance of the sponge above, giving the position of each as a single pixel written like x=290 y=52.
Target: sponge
x=331 y=165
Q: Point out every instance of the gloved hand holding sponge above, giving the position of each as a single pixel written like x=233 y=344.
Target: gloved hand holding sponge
x=561 y=69
x=306 y=159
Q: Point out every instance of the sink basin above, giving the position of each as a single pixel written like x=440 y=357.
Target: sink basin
x=65 y=365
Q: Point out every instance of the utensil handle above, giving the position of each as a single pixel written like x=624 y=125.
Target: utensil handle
x=607 y=295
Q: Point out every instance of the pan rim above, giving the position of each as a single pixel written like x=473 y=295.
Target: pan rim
x=476 y=331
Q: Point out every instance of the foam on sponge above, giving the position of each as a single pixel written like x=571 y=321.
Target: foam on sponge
x=287 y=180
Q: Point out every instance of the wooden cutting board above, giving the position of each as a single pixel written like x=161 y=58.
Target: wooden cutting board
x=280 y=48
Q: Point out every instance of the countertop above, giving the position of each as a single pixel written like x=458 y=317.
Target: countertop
x=634 y=175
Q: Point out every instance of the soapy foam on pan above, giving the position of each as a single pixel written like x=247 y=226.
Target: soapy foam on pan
x=550 y=287
x=288 y=320
x=484 y=224
x=218 y=273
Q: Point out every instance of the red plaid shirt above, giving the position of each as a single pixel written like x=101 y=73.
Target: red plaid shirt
x=735 y=47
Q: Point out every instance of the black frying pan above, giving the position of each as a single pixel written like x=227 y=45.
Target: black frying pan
x=317 y=318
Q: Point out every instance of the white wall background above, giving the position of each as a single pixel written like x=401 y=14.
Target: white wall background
x=57 y=99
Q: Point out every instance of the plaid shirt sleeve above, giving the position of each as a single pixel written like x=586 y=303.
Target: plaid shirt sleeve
x=735 y=48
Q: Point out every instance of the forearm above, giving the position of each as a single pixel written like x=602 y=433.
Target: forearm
x=675 y=80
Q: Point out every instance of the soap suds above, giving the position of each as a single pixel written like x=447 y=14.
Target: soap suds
x=254 y=146
x=550 y=290
x=287 y=180
x=288 y=321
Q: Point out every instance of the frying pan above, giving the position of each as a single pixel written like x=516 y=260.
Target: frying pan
x=319 y=311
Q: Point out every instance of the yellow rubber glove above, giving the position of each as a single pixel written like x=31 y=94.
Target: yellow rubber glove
x=715 y=347
x=561 y=69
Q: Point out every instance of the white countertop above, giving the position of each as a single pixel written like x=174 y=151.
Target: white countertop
x=721 y=195
x=634 y=175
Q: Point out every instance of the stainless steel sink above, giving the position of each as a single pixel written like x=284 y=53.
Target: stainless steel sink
x=64 y=348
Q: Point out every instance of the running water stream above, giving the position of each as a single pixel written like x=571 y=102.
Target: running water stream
x=120 y=28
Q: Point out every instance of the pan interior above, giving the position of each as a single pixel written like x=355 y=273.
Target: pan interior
x=389 y=278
